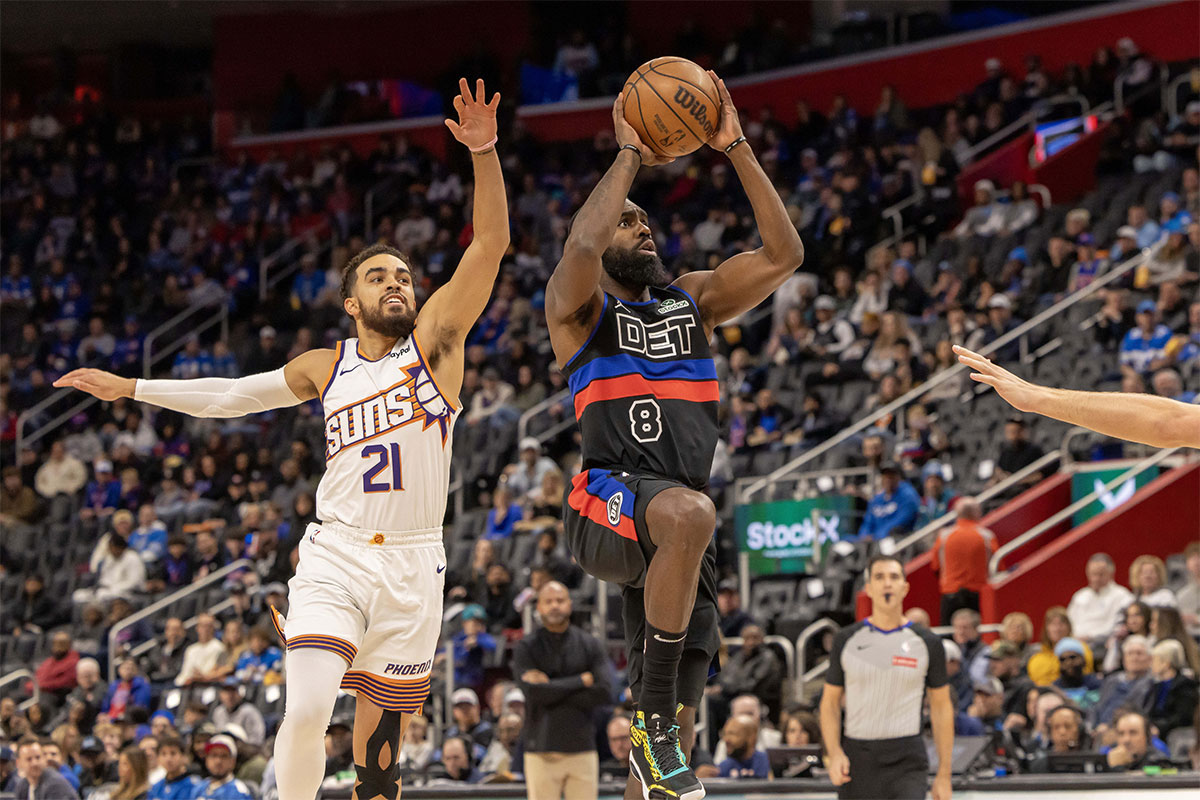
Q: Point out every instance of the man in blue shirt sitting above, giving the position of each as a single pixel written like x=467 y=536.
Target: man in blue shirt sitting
x=894 y=509
x=220 y=756
x=178 y=784
x=745 y=759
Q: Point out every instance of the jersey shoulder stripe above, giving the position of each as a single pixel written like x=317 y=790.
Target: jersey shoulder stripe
x=592 y=335
x=341 y=349
x=429 y=371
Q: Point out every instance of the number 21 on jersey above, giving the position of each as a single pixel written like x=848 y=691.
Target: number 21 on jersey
x=385 y=456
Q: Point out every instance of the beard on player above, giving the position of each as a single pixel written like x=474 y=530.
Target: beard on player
x=635 y=268
x=394 y=323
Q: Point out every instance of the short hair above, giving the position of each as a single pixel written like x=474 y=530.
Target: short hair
x=1135 y=639
x=1126 y=711
x=1192 y=549
x=26 y=741
x=1105 y=558
x=1170 y=650
x=350 y=271
x=88 y=664
x=1020 y=618
x=171 y=741
x=880 y=557
x=968 y=508
x=966 y=613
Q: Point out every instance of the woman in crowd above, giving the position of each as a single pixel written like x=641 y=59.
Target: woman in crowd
x=1173 y=699
x=1136 y=621
x=1167 y=623
x=1017 y=628
x=133 y=773
x=1148 y=582
x=1067 y=734
x=1043 y=665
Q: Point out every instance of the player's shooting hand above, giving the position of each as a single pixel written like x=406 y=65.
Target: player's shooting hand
x=627 y=135
x=839 y=768
x=98 y=383
x=729 y=127
x=1021 y=394
x=476 y=126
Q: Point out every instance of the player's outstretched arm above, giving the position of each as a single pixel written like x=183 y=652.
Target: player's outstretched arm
x=574 y=286
x=449 y=314
x=745 y=280
x=300 y=380
x=1144 y=418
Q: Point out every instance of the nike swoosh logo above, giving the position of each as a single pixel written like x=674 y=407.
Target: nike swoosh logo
x=441 y=568
x=670 y=641
x=862 y=647
x=356 y=366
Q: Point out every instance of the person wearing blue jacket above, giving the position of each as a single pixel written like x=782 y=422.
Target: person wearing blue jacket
x=130 y=690
x=894 y=509
x=178 y=784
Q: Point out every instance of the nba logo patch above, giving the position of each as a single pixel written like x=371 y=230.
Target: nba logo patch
x=614 y=508
x=312 y=537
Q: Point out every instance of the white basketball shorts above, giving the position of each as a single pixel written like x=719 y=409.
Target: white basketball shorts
x=375 y=599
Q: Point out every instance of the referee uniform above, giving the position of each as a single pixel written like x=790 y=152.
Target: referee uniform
x=884 y=675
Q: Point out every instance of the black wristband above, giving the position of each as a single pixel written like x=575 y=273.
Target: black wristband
x=735 y=143
x=635 y=150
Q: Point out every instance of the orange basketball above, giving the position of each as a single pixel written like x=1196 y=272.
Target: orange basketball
x=673 y=105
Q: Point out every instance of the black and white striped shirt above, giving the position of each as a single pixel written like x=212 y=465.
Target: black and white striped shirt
x=884 y=675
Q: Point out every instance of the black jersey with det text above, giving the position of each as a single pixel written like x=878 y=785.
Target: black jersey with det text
x=884 y=675
x=646 y=390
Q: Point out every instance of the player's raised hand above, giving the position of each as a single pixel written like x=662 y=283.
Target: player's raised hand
x=627 y=135
x=98 y=383
x=476 y=126
x=1020 y=393
x=729 y=127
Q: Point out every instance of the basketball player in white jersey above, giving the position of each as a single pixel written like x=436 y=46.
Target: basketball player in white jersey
x=365 y=606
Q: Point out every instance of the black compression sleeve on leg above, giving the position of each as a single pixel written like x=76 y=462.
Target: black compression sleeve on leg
x=375 y=781
x=660 y=671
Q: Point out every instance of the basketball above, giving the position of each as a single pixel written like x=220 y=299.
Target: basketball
x=673 y=105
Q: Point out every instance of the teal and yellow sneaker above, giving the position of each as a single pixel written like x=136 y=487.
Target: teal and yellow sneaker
x=657 y=761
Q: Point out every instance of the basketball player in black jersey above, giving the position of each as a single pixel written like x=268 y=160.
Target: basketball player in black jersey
x=635 y=349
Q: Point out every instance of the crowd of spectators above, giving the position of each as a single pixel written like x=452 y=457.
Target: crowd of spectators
x=108 y=239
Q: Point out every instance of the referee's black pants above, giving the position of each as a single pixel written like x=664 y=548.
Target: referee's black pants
x=886 y=769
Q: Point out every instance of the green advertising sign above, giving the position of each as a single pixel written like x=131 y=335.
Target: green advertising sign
x=1085 y=482
x=785 y=537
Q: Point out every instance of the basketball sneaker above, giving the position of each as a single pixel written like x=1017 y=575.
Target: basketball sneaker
x=658 y=763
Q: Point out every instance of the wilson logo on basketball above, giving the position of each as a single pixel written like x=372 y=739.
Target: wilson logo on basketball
x=904 y=661
x=696 y=107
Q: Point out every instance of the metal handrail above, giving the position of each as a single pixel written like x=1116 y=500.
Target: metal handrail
x=148 y=343
x=1119 y=88
x=1023 y=121
x=188 y=624
x=1049 y=102
x=987 y=494
x=945 y=375
x=946 y=630
x=892 y=212
x=19 y=674
x=549 y=402
x=1171 y=94
x=25 y=416
x=154 y=608
x=1039 y=529
x=148 y=360
x=818 y=626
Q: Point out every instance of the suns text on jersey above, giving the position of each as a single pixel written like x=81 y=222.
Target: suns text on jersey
x=370 y=417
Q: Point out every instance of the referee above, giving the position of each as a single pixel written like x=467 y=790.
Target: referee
x=881 y=667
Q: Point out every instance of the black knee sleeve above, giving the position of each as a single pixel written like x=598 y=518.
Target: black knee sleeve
x=375 y=781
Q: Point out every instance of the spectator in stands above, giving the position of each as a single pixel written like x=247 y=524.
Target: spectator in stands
x=988 y=705
x=220 y=756
x=745 y=759
x=616 y=768
x=753 y=669
x=34 y=611
x=89 y=691
x=937 y=499
x=1189 y=596
x=339 y=744
x=473 y=585
x=201 y=659
x=119 y=571
x=503 y=516
x=1000 y=322
x=1095 y=609
x=260 y=662
x=133 y=773
x=234 y=709
x=177 y=783
x=729 y=605
x=1134 y=748
x=61 y=474
x=894 y=509
x=961 y=557
x=1135 y=620
x=55 y=760
x=961 y=686
x=832 y=334
x=1167 y=623
x=458 y=763
x=1168 y=258
x=1167 y=383
x=149 y=538
x=130 y=689
x=417 y=748
x=56 y=675
x=1082 y=690
x=1172 y=700
x=768 y=421
x=526 y=475
x=1128 y=687
x=1067 y=734
x=1016 y=453
x=965 y=622
x=1043 y=667
x=978 y=219
x=1148 y=580
x=177 y=568
x=750 y=707
x=490 y=403
x=563 y=672
x=499 y=603
x=1017 y=628
x=209 y=556
x=19 y=506
x=906 y=294
x=103 y=494
x=506 y=754
x=34 y=780
x=1144 y=346
x=467 y=720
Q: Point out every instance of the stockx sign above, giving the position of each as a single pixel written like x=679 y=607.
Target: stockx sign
x=785 y=537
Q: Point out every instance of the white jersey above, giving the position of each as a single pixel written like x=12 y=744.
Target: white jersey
x=387 y=441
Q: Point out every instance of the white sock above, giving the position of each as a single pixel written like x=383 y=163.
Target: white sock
x=313 y=677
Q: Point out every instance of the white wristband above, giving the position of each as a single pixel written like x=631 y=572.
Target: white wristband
x=219 y=397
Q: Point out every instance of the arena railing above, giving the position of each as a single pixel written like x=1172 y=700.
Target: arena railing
x=23 y=674
x=150 y=358
x=166 y=602
x=1041 y=528
x=747 y=489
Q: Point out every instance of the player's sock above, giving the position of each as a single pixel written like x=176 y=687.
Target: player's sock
x=660 y=672
x=313 y=677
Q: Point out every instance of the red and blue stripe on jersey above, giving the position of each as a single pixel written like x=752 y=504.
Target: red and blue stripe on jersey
x=591 y=492
x=624 y=376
